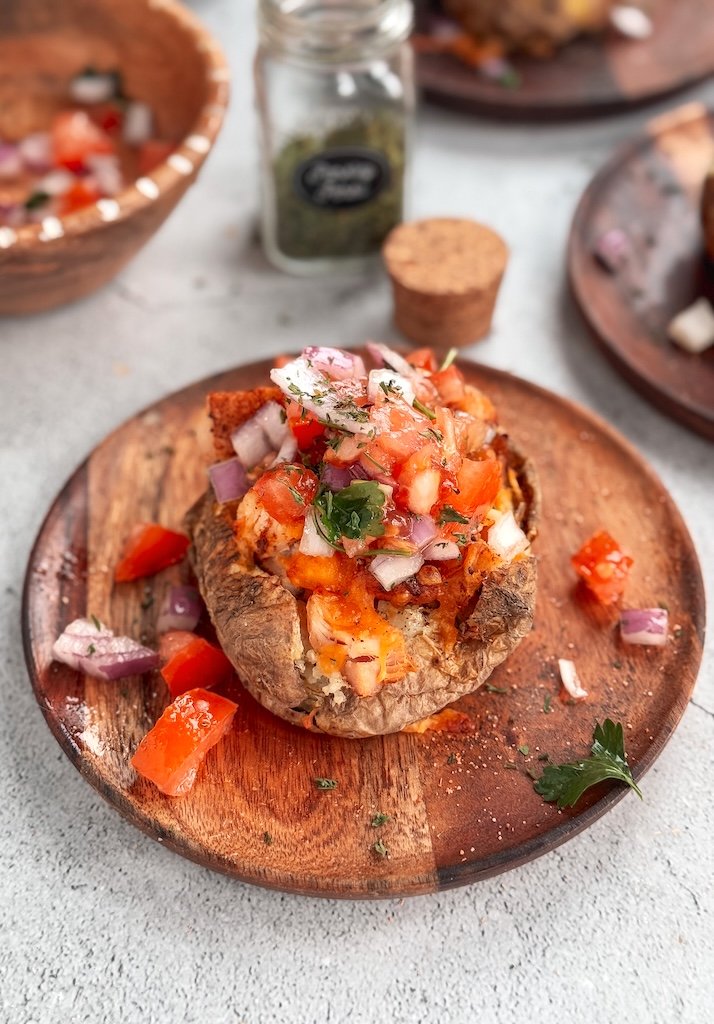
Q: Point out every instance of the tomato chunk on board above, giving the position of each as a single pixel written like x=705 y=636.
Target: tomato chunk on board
x=196 y=663
x=172 y=752
x=603 y=567
x=149 y=549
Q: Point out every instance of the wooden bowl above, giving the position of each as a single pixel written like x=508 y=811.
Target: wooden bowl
x=168 y=60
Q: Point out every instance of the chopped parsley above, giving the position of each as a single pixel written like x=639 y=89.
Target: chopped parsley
x=36 y=200
x=296 y=495
x=431 y=433
x=424 y=409
x=379 y=819
x=546 y=704
x=326 y=783
x=566 y=783
x=97 y=623
x=524 y=749
x=91 y=649
x=380 y=849
x=354 y=512
x=448 y=514
x=495 y=689
x=295 y=390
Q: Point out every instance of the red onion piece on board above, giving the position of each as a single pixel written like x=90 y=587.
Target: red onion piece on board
x=180 y=609
x=91 y=647
x=570 y=679
x=646 y=626
x=229 y=480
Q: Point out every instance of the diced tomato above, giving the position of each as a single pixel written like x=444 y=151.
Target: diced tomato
x=286 y=492
x=149 y=549
x=152 y=153
x=305 y=427
x=172 y=642
x=81 y=194
x=75 y=137
x=332 y=573
x=603 y=566
x=424 y=359
x=172 y=752
x=477 y=483
x=196 y=663
x=107 y=116
x=450 y=384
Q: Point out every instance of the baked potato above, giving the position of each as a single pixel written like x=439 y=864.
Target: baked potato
x=373 y=564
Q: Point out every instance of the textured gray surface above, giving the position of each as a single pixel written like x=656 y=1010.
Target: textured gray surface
x=97 y=922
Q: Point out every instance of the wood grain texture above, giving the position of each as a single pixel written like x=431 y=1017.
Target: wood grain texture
x=458 y=812
x=166 y=59
x=651 y=190
x=588 y=76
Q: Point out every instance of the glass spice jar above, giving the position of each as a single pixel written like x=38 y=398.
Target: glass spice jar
x=335 y=93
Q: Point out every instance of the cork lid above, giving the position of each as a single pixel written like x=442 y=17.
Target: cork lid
x=444 y=256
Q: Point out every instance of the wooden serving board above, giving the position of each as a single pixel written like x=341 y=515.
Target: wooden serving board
x=652 y=191
x=461 y=807
x=592 y=75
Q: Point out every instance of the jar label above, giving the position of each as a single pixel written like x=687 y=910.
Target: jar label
x=341 y=178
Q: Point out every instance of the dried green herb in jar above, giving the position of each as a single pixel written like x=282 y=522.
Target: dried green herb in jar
x=340 y=194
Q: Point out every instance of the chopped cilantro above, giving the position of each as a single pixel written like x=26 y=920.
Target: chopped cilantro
x=449 y=515
x=354 y=512
x=546 y=704
x=424 y=409
x=97 y=623
x=524 y=749
x=37 y=199
x=296 y=495
x=566 y=783
x=326 y=783
x=379 y=819
x=495 y=689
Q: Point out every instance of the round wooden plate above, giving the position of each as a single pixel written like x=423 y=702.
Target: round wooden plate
x=652 y=191
x=589 y=76
x=461 y=807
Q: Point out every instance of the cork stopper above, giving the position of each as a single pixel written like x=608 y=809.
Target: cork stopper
x=445 y=275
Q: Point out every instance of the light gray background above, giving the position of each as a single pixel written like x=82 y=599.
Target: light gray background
x=100 y=924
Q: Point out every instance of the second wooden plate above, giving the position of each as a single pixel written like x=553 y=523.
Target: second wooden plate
x=460 y=808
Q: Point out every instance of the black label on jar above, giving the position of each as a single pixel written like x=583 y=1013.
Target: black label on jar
x=337 y=179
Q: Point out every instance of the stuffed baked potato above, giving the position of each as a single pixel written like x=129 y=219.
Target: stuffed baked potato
x=369 y=559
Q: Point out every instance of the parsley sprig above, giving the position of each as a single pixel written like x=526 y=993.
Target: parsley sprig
x=566 y=783
x=355 y=512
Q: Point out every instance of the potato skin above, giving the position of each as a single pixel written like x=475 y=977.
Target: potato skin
x=259 y=626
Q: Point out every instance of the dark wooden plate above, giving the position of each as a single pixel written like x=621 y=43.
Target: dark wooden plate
x=461 y=807
x=651 y=190
x=590 y=75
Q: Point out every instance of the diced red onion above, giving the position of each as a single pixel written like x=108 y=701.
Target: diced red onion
x=571 y=681
x=336 y=477
x=92 y=88
x=331 y=401
x=56 y=183
x=631 y=22
x=422 y=530
x=271 y=417
x=36 y=151
x=312 y=542
x=647 y=626
x=106 y=172
x=383 y=383
x=613 y=249
x=441 y=551
x=229 y=480
x=180 y=609
x=250 y=443
x=496 y=69
x=288 y=450
x=506 y=538
x=338 y=365
x=98 y=653
x=389 y=570
x=138 y=124
x=382 y=355
x=11 y=165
